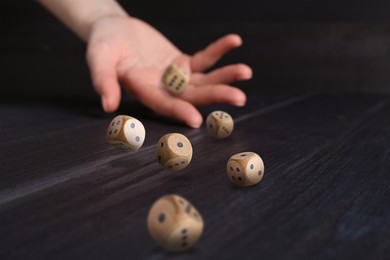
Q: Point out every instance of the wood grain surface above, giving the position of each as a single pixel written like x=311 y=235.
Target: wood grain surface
x=65 y=193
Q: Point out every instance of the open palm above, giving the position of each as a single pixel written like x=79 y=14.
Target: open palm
x=130 y=51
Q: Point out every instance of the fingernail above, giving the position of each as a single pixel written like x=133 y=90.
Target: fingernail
x=249 y=74
x=246 y=72
x=196 y=123
x=240 y=100
x=245 y=76
x=104 y=103
x=240 y=104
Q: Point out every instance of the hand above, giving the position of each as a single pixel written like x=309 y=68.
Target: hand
x=130 y=51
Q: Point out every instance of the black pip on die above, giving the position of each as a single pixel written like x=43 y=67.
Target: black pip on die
x=174 y=223
x=219 y=124
x=174 y=151
x=245 y=169
x=126 y=132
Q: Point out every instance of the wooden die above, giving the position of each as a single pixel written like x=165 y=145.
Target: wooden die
x=245 y=169
x=175 y=79
x=126 y=132
x=220 y=124
x=174 y=151
x=174 y=223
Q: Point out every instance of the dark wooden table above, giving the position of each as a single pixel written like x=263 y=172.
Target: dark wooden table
x=65 y=193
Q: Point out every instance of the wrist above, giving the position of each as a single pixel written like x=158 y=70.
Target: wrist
x=79 y=16
x=106 y=9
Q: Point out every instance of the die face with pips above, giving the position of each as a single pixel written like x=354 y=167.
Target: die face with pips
x=175 y=79
x=245 y=169
x=174 y=151
x=219 y=124
x=126 y=132
x=236 y=173
x=174 y=223
x=115 y=128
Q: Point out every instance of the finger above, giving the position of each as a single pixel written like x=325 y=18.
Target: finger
x=104 y=77
x=165 y=104
x=211 y=94
x=212 y=53
x=224 y=75
x=169 y=106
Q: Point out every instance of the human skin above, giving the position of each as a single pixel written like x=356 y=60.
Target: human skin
x=126 y=51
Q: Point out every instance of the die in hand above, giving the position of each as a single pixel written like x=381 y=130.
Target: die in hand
x=175 y=79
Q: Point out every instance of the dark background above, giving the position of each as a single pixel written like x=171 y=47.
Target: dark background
x=65 y=193
x=293 y=46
